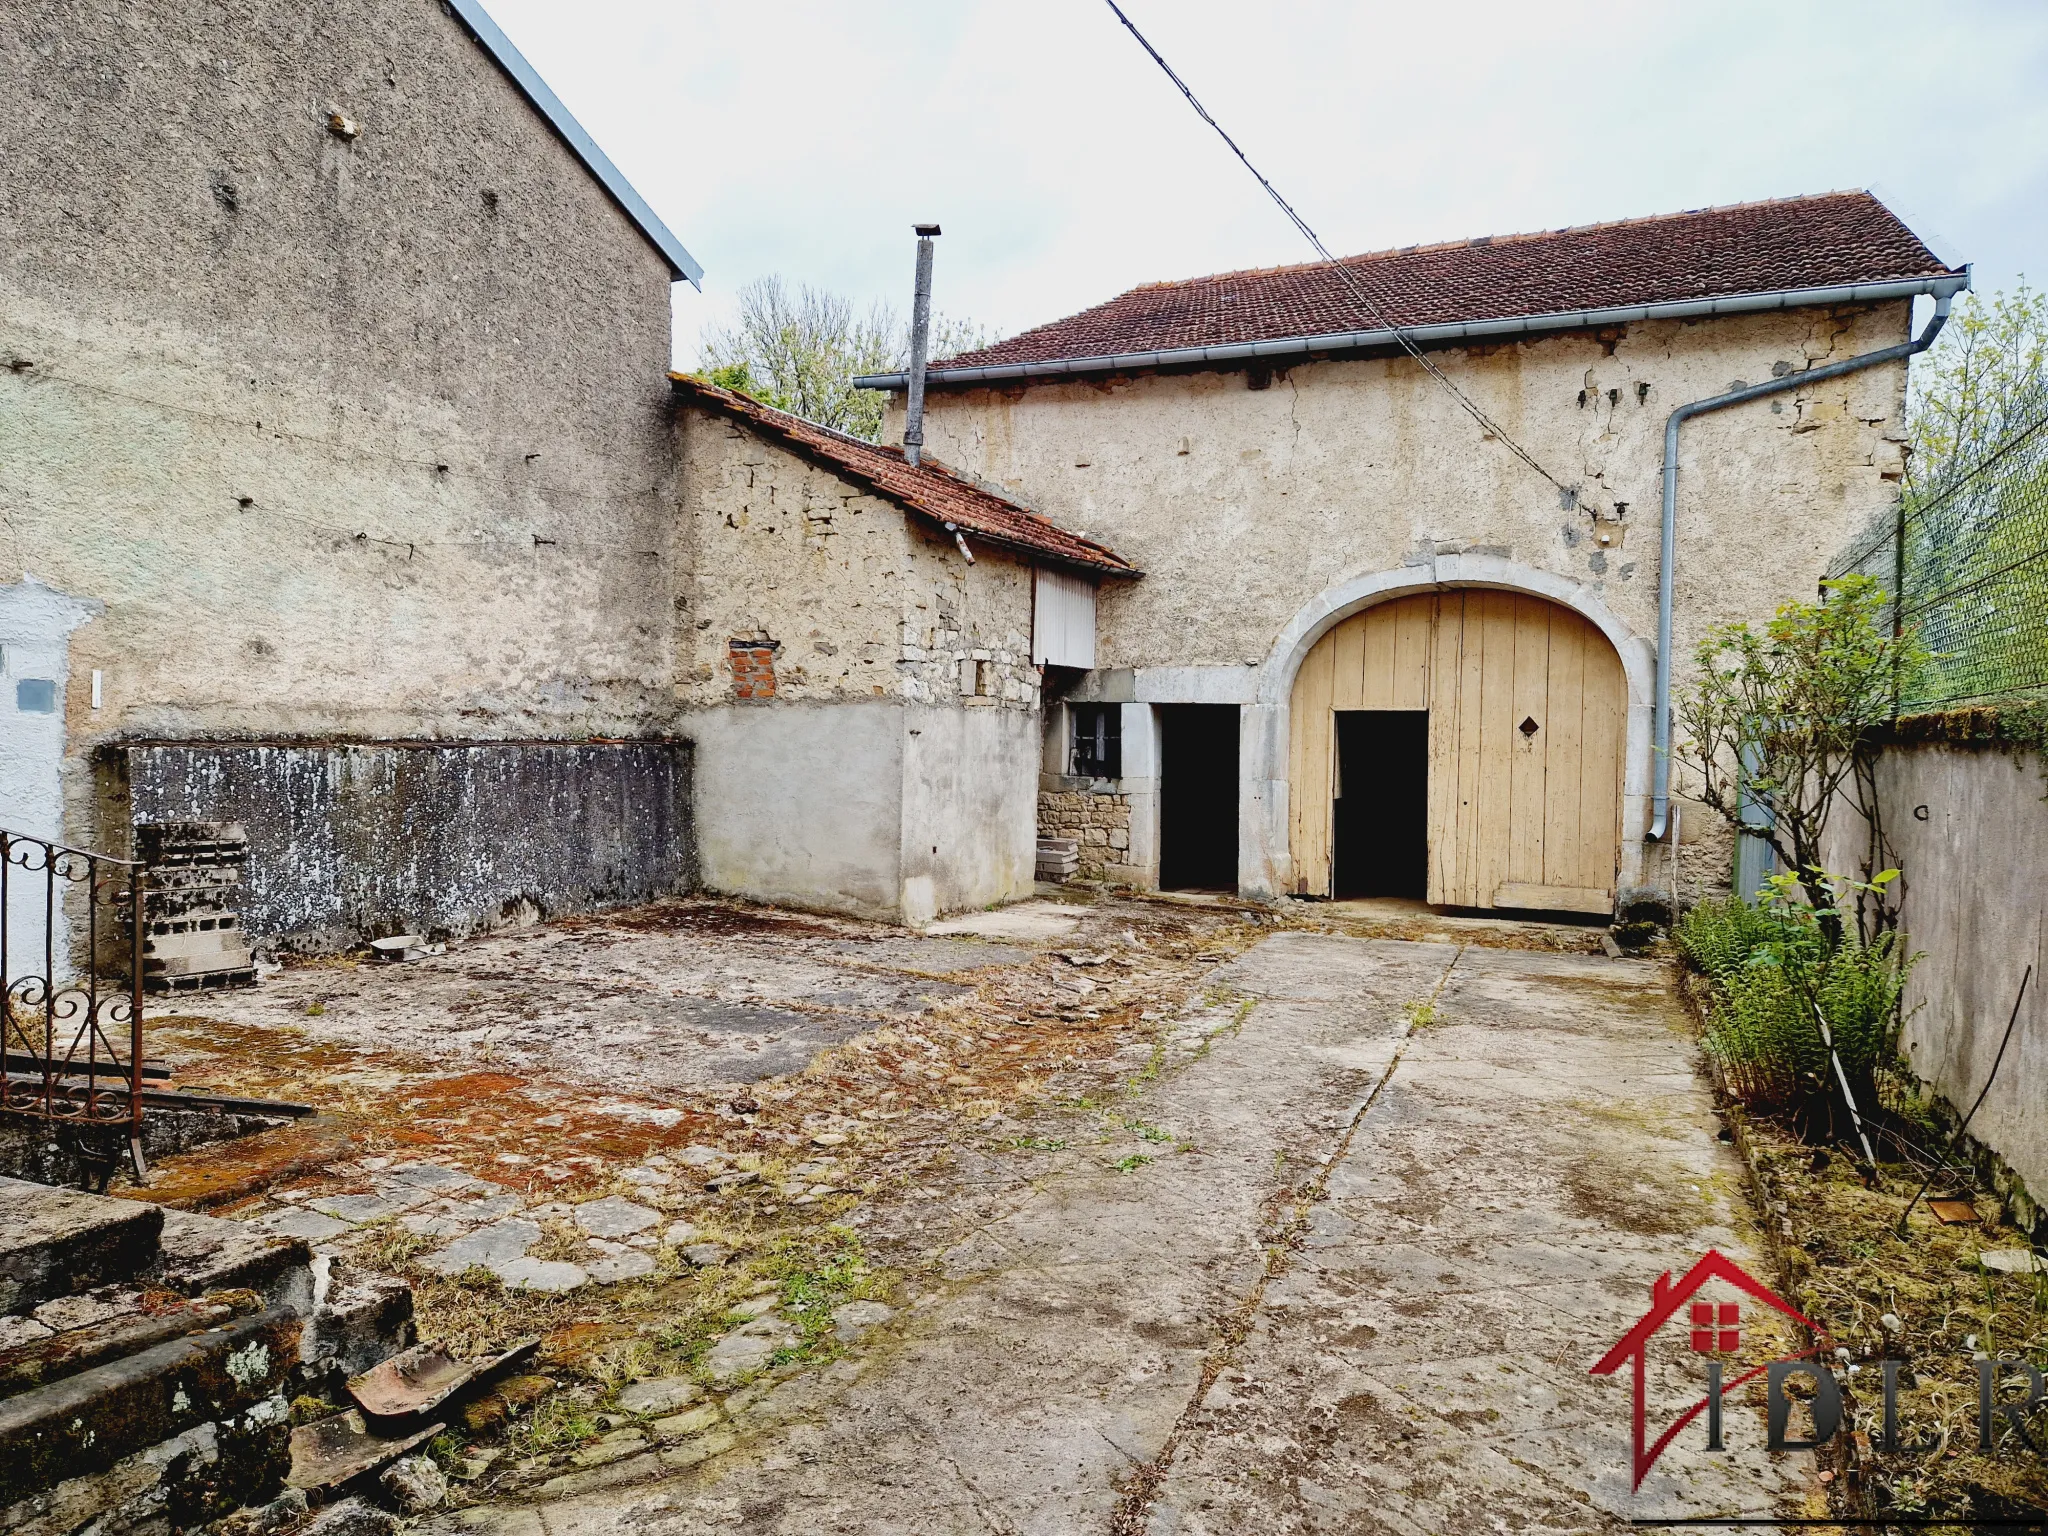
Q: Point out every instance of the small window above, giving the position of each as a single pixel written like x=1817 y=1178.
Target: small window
x=1098 y=741
x=36 y=696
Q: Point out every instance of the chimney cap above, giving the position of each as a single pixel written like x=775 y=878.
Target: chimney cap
x=925 y=231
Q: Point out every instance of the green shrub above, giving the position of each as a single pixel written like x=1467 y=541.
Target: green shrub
x=1769 y=971
x=1719 y=937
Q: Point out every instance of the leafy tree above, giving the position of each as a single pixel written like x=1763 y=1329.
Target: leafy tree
x=1787 y=712
x=800 y=350
x=1973 y=388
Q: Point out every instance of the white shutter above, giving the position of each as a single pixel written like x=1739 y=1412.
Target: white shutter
x=1062 y=619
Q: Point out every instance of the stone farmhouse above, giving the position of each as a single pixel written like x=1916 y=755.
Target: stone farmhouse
x=1376 y=650
x=346 y=495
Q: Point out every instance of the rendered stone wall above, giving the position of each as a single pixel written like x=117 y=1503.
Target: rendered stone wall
x=354 y=436
x=1241 y=495
x=353 y=841
x=862 y=600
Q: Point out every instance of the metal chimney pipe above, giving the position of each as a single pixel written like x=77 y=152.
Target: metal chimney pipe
x=920 y=338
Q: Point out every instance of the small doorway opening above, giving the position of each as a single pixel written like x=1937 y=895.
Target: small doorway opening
x=1198 y=797
x=1380 y=820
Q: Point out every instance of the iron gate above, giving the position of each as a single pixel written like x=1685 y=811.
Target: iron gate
x=71 y=991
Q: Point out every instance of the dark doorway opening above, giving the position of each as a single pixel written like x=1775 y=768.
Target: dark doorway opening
x=1198 y=797
x=1381 y=823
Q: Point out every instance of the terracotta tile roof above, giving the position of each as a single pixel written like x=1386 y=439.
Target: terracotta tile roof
x=1830 y=240
x=928 y=489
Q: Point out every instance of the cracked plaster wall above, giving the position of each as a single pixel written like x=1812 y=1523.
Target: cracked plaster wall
x=1242 y=504
x=362 y=438
x=865 y=601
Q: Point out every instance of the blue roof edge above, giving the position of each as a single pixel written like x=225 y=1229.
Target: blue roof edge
x=477 y=22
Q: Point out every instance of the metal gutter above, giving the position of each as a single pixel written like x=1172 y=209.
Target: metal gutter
x=1667 y=556
x=477 y=22
x=1423 y=335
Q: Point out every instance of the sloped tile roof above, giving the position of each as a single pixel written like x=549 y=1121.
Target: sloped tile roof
x=1826 y=241
x=928 y=489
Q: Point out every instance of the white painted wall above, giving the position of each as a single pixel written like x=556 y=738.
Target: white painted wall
x=874 y=808
x=36 y=622
x=970 y=809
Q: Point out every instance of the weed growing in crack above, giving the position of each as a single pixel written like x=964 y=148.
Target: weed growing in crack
x=391 y=1247
x=613 y=1368
x=1132 y=1163
x=556 y=1423
x=818 y=1272
x=1150 y=1071
x=1036 y=1144
x=1421 y=1015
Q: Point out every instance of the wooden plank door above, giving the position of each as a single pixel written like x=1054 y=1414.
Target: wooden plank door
x=1525 y=808
x=1517 y=817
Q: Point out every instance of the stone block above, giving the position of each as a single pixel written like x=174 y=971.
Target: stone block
x=53 y=1241
x=366 y=1319
x=197 y=1254
x=89 y=1422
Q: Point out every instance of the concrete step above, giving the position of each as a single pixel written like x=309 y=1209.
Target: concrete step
x=57 y=1241
x=200 y=1254
x=92 y=1328
x=212 y=1407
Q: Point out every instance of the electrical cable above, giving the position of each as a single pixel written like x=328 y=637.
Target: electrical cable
x=1351 y=280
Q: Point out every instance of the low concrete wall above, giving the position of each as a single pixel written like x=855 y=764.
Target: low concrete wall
x=874 y=808
x=800 y=804
x=970 y=809
x=355 y=840
x=1970 y=829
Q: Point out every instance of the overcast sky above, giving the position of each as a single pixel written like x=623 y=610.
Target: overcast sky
x=805 y=136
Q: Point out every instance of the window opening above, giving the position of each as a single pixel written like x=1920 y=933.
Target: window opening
x=1098 y=751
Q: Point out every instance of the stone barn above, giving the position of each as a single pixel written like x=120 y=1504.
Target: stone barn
x=1398 y=634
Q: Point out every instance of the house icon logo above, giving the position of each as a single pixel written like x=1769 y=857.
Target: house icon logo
x=1713 y=1328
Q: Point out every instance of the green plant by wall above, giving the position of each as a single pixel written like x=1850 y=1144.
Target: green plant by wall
x=1775 y=978
x=1799 y=702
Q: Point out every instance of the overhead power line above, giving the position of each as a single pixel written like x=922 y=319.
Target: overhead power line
x=1374 y=307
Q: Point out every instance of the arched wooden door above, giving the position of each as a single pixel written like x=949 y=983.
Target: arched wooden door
x=1527 y=710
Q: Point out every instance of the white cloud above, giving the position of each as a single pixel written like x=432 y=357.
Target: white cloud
x=805 y=137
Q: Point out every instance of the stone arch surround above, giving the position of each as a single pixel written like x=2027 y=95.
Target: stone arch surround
x=1264 y=863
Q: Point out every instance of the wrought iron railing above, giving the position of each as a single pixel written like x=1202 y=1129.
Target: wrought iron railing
x=71 y=992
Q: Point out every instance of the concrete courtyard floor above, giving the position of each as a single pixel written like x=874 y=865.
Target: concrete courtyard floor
x=1178 y=1219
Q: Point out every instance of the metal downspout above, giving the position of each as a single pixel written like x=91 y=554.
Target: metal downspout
x=1660 y=746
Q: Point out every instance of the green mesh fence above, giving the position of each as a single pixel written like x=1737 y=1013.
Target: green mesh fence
x=1967 y=559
